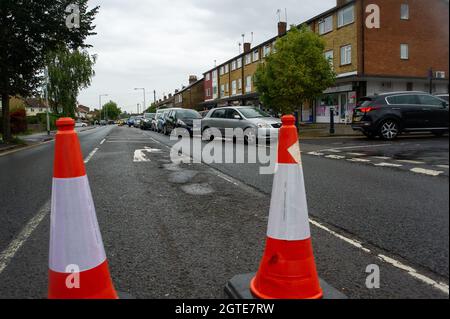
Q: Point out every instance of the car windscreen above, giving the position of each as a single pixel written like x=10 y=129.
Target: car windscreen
x=252 y=113
x=149 y=115
x=188 y=115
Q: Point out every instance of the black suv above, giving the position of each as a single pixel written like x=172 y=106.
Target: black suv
x=388 y=115
x=181 y=118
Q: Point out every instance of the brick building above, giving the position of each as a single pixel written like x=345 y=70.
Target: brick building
x=191 y=96
x=412 y=39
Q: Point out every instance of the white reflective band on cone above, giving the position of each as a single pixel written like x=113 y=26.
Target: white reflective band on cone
x=288 y=218
x=75 y=235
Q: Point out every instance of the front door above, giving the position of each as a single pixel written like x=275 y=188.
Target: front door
x=343 y=108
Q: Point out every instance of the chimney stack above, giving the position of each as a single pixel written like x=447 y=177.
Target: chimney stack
x=192 y=79
x=247 y=47
x=282 y=28
x=170 y=95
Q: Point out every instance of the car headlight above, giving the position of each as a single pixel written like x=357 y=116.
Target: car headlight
x=264 y=125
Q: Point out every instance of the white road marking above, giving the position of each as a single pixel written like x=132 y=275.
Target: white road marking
x=388 y=165
x=395 y=263
x=8 y=254
x=356 y=154
x=442 y=166
x=19 y=241
x=228 y=180
x=384 y=158
x=337 y=157
x=90 y=156
x=139 y=156
x=355 y=147
x=316 y=154
x=334 y=151
x=410 y=162
x=411 y=271
x=359 y=160
x=429 y=172
x=103 y=141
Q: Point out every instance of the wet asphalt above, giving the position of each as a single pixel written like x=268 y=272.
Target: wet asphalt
x=183 y=230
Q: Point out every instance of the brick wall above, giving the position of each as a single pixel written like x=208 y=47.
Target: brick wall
x=426 y=32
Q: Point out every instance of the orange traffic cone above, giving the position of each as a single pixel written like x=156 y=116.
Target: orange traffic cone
x=78 y=268
x=288 y=269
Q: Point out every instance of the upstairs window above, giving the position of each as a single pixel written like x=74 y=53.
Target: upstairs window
x=326 y=25
x=233 y=65
x=346 y=55
x=248 y=58
x=404 y=51
x=346 y=16
x=208 y=77
x=239 y=63
x=329 y=55
x=404 y=14
x=266 y=50
x=255 y=55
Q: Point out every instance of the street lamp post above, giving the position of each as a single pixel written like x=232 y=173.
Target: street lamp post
x=100 y=105
x=143 y=90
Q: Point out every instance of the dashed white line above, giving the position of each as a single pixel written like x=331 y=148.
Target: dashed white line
x=17 y=243
x=337 y=157
x=359 y=160
x=442 y=166
x=90 y=156
x=411 y=162
x=103 y=141
x=411 y=271
x=8 y=254
x=388 y=165
x=395 y=263
x=316 y=154
x=356 y=154
x=429 y=172
x=384 y=158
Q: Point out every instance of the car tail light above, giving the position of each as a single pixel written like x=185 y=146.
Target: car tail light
x=369 y=109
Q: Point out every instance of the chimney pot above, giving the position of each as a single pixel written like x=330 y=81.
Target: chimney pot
x=192 y=79
x=247 y=47
x=282 y=28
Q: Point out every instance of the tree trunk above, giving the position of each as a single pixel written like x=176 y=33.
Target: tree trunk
x=6 y=118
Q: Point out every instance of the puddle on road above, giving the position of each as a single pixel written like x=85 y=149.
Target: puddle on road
x=197 y=189
x=182 y=177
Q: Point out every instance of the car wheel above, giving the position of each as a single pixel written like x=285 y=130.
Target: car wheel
x=389 y=130
x=250 y=137
x=207 y=135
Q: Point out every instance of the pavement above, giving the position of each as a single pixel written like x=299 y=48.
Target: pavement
x=182 y=230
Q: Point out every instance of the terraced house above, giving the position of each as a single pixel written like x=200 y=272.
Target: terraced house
x=374 y=46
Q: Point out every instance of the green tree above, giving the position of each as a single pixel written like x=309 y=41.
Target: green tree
x=111 y=111
x=151 y=109
x=295 y=73
x=69 y=71
x=29 y=30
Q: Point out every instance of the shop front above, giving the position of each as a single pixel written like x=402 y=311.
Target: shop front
x=341 y=99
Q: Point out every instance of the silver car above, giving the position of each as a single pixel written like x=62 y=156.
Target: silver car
x=256 y=124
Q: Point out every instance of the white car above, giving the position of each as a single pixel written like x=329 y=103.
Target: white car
x=80 y=124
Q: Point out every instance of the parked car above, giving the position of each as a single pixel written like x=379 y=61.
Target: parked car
x=158 y=114
x=103 y=123
x=80 y=124
x=137 y=121
x=181 y=118
x=443 y=96
x=388 y=115
x=256 y=123
x=146 y=123
x=162 y=120
x=130 y=121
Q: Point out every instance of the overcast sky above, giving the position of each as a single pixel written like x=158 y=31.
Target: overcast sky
x=157 y=44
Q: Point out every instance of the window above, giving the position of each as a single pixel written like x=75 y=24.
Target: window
x=266 y=50
x=231 y=113
x=233 y=65
x=404 y=11
x=430 y=100
x=346 y=16
x=208 y=92
x=326 y=25
x=404 y=51
x=221 y=70
x=222 y=90
x=248 y=59
x=208 y=76
x=329 y=55
x=248 y=84
x=255 y=55
x=403 y=99
x=226 y=68
x=239 y=63
x=233 y=88
x=219 y=114
x=346 y=55
x=240 y=84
